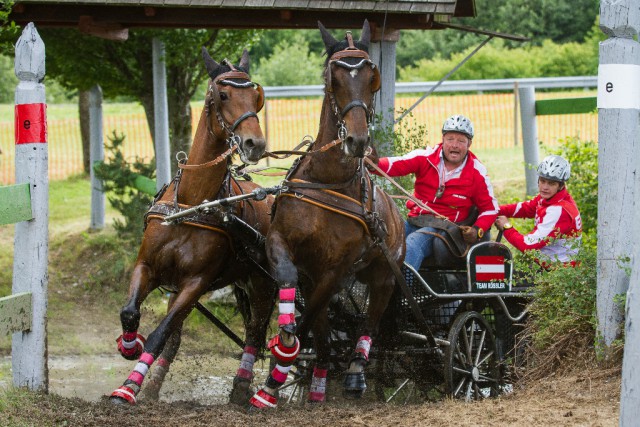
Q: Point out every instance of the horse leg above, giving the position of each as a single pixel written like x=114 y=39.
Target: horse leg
x=318 y=386
x=185 y=300
x=260 y=294
x=131 y=343
x=285 y=346
x=163 y=363
x=380 y=289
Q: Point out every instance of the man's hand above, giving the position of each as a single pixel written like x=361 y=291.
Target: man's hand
x=469 y=234
x=501 y=221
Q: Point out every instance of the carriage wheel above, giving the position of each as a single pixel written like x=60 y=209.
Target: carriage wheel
x=406 y=380
x=471 y=365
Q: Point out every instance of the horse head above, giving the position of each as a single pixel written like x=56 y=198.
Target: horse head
x=351 y=81
x=232 y=100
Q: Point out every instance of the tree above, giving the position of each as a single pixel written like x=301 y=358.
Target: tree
x=124 y=69
x=561 y=21
x=276 y=70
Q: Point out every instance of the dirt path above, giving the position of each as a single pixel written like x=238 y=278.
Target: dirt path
x=195 y=394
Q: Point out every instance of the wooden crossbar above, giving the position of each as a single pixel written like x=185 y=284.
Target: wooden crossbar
x=548 y=107
x=15 y=313
x=146 y=185
x=15 y=204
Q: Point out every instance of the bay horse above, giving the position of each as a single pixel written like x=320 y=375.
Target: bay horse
x=332 y=225
x=201 y=253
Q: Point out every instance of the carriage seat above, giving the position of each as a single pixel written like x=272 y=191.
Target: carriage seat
x=442 y=258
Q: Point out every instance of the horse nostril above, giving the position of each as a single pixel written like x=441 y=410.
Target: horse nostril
x=249 y=144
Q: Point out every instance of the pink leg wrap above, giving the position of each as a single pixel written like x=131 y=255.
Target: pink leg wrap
x=141 y=369
x=317 y=390
x=279 y=374
x=363 y=346
x=287 y=306
x=246 y=363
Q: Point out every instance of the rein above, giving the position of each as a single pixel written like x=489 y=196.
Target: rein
x=406 y=193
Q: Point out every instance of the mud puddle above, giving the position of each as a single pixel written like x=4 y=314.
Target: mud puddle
x=203 y=379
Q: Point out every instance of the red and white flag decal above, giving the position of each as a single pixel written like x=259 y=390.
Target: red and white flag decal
x=489 y=268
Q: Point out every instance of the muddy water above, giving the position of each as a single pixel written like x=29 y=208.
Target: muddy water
x=203 y=379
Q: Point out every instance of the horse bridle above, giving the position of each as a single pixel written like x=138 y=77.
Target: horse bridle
x=337 y=59
x=213 y=100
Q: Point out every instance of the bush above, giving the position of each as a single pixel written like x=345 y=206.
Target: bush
x=498 y=62
x=564 y=302
x=118 y=177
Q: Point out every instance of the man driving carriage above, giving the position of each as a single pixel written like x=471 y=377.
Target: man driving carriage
x=449 y=179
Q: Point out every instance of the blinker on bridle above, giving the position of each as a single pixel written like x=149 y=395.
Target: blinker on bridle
x=337 y=59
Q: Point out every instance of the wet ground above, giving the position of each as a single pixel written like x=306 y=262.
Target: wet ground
x=202 y=379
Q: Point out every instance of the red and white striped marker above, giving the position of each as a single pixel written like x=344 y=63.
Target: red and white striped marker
x=489 y=268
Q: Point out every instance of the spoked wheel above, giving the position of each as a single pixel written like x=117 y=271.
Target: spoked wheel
x=404 y=380
x=471 y=365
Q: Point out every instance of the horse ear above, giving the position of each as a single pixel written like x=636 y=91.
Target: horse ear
x=327 y=38
x=211 y=65
x=244 y=61
x=365 y=37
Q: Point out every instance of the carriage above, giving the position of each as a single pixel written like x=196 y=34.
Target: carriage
x=453 y=332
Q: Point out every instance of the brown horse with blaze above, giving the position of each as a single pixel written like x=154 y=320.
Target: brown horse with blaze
x=332 y=225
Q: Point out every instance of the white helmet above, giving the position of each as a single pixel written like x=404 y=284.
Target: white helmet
x=458 y=123
x=554 y=168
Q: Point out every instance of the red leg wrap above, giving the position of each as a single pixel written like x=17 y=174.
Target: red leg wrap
x=283 y=353
x=262 y=400
x=130 y=347
x=126 y=393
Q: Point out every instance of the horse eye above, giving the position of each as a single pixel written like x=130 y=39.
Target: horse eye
x=223 y=96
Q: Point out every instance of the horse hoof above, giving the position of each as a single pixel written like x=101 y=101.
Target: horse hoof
x=354 y=385
x=134 y=352
x=150 y=393
x=240 y=393
x=123 y=395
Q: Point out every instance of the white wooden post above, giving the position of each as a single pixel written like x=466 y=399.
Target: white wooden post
x=619 y=191
x=96 y=154
x=161 y=115
x=527 y=96
x=618 y=154
x=31 y=244
x=383 y=53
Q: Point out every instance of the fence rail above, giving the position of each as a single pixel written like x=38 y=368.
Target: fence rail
x=287 y=120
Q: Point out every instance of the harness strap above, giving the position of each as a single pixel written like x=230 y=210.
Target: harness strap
x=353 y=104
x=243 y=117
x=335 y=209
x=210 y=163
x=298 y=183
